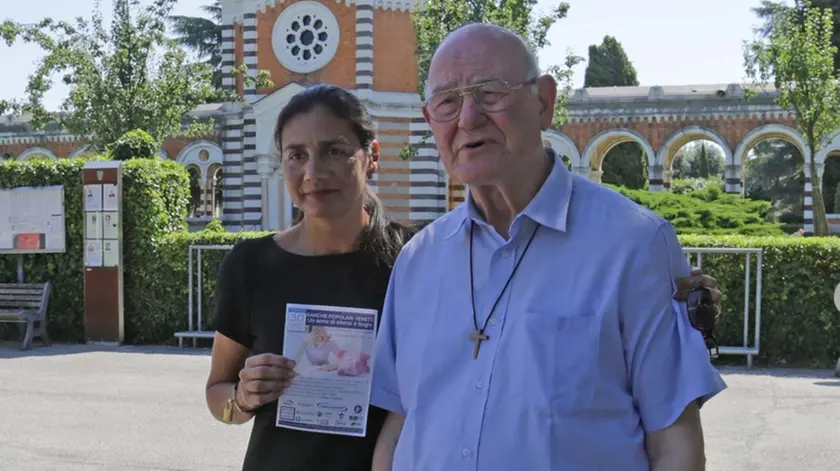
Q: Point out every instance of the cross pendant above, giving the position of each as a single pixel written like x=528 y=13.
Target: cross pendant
x=477 y=337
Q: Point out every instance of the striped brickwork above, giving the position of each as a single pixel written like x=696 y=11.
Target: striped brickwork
x=392 y=182
x=228 y=56
x=428 y=178
x=249 y=52
x=232 y=172
x=808 y=215
x=364 y=47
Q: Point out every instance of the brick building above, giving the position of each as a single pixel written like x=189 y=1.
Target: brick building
x=368 y=46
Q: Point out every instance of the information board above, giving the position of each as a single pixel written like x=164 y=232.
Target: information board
x=32 y=220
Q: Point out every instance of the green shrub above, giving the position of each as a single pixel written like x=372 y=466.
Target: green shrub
x=154 y=203
x=708 y=210
x=136 y=144
x=680 y=186
x=166 y=306
x=799 y=323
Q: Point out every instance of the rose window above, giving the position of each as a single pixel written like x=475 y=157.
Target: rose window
x=305 y=37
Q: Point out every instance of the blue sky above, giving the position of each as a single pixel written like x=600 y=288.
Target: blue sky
x=670 y=42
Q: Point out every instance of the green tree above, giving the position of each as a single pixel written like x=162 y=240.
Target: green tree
x=690 y=161
x=703 y=162
x=774 y=173
x=608 y=66
x=435 y=19
x=799 y=57
x=769 y=10
x=203 y=36
x=126 y=78
x=136 y=144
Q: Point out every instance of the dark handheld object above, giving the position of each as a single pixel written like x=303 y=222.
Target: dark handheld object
x=703 y=312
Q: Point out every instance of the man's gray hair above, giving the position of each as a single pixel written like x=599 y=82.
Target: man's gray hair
x=532 y=63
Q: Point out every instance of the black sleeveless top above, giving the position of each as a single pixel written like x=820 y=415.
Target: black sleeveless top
x=255 y=282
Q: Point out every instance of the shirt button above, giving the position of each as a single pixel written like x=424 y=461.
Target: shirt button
x=504 y=253
x=465 y=453
x=493 y=321
x=479 y=384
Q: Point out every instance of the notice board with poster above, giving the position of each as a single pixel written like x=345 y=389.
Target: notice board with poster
x=32 y=220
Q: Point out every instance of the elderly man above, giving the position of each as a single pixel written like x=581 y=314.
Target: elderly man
x=533 y=327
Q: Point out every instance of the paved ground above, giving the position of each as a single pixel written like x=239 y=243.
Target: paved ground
x=69 y=408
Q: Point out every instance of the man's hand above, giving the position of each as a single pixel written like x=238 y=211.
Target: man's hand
x=696 y=280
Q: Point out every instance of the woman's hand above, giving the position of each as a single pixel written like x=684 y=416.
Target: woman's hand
x=263 y=379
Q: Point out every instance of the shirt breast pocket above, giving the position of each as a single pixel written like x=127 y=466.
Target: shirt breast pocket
x=560 y=356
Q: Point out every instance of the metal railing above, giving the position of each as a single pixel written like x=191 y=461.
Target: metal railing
x=745 y=348
x=195 y=316
x=196 y=295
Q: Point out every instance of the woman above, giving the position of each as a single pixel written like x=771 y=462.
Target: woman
x=340 y=252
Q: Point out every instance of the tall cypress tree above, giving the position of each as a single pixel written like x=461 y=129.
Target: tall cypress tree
x=608 y=66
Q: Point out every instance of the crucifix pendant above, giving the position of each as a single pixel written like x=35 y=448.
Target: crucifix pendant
x=477 y=337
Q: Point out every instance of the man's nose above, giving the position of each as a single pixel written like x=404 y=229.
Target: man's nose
x=472 y=116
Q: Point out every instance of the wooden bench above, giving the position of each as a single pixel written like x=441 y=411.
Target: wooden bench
x=26 y=303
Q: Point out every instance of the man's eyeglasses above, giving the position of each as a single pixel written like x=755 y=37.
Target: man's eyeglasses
x=492 y=97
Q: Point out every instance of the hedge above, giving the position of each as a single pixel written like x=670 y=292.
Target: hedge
x=799 y=323
x=155 y=200
x=167 y=305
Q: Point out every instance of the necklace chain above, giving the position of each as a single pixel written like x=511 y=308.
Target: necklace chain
x=478 y=336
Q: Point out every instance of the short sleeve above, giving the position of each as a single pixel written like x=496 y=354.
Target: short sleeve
x=385 y=392
x=667 y=360
x=231 y=316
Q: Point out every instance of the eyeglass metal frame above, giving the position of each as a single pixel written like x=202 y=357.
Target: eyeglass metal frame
x=471 y=90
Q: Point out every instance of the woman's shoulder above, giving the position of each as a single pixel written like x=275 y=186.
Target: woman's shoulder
x=248 y=249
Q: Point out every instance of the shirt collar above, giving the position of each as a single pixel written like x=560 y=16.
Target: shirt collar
x=549 y=207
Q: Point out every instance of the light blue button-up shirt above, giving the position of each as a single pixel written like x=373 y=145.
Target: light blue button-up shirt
x=587 y=350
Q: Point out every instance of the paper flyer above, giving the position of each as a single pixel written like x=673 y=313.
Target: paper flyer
x=333 y=351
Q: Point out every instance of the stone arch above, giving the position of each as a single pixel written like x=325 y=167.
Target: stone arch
x=563 y=146
x=829 y=147
x=770 y=131
x=35 y=151
x=601 y=144
x=78 y=152
x=682 y=137
x=201 y=154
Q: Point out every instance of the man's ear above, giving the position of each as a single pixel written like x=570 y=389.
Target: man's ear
x=547 y=91
x=426 y=114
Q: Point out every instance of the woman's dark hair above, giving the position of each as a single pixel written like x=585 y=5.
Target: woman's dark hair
x=380 y=242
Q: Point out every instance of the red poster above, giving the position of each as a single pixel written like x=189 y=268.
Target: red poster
x=31 y=241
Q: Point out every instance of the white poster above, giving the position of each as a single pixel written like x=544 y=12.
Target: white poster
x=110 y=228
x=110 y=198
x=110 y=253
x=32 y=219
x=93 y=197
x=333 y=351
x=93 y=225
x=93 y=253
